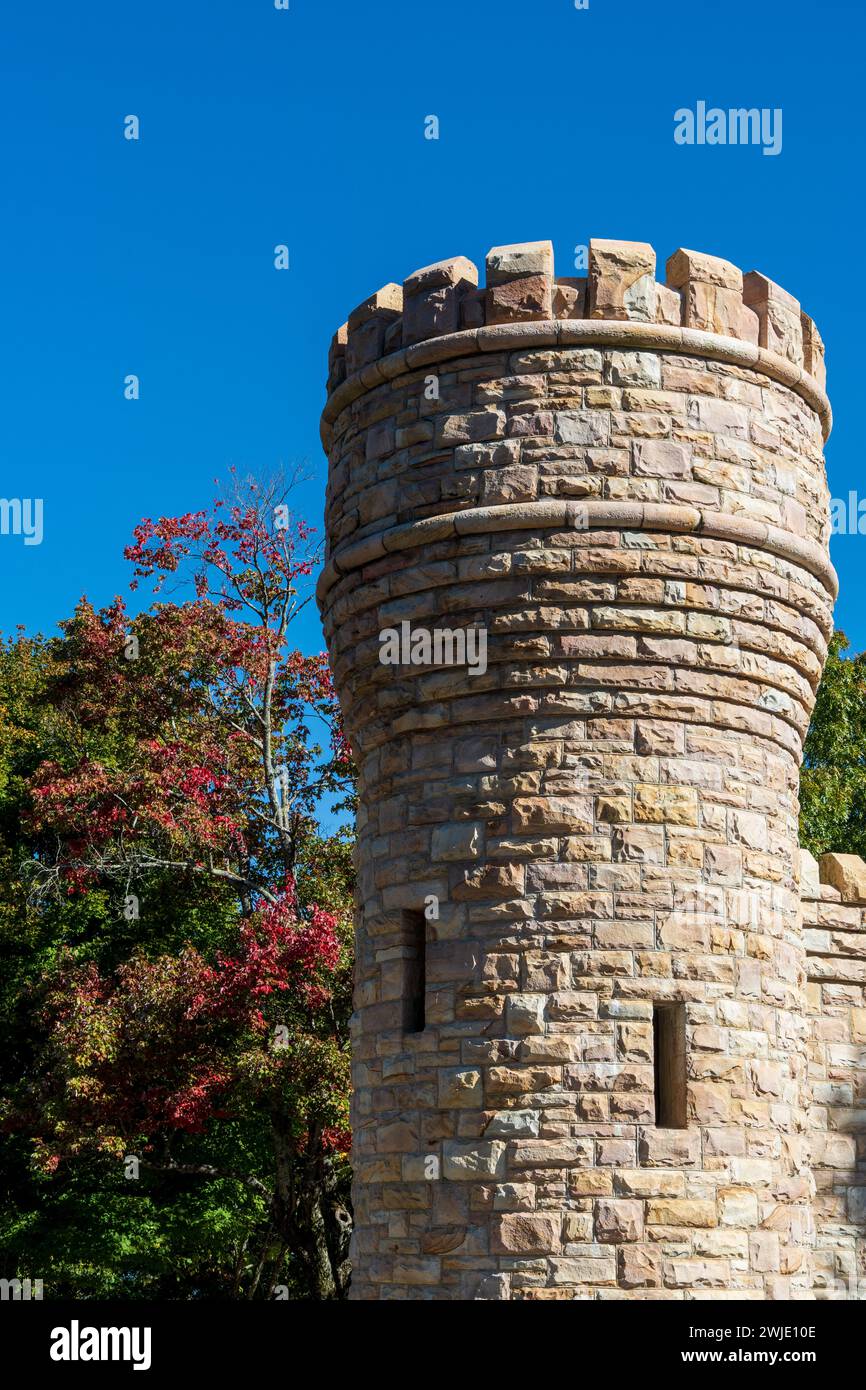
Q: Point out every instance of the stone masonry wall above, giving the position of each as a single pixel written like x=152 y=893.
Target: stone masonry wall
x=834 y=917
x=622 y=484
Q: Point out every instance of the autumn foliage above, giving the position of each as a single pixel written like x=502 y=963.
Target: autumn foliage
x=187 y=752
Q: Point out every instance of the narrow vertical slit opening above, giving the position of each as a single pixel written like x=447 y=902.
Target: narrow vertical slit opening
x=414 y=972
x=669 y=1066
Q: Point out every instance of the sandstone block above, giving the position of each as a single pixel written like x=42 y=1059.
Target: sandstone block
x=670 y=1148
x=779 y=326
x=681 y=1212
x=466 y=1162
x=847 y=873
x=712 y=295
x=570 y=298
x=457 y=840
x=640 y=1267
x=813 y=351
x=474 y=427
x=407 y=1270
x=551 y=1153
x=576 y=1227
x=368 y=324
x=448 y=274
x=764 y=1252
x=459 y=1088
x=582 y=427
x=644 y=1182
x=524 y=1013
x=519 y=1234
x=513 y=1124
x=566 y=815
x=671 y=805
x=513 y=1081
x=622 y=280
x=568 y=1004
x=661 y=459
x=707 y=1274
x=520 y=282
x=491 y=882
x=529 y=298
x=517 y=484
x=431 y=314
x=669 y=305
x=514 y=1196
x=585 y=1271
x=810 y=876
x=618 y=1220
x=528 y=258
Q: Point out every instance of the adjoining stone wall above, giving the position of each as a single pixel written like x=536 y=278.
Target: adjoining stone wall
x=622 y=484
x=834 y=918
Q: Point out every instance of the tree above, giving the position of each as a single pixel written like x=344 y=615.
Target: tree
x=178 y=791
x=186 y=732
x=833 y=776
x=167 y=1046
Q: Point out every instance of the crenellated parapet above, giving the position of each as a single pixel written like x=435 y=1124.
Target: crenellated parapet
x=442 y=304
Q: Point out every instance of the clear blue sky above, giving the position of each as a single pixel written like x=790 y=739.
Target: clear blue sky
x=261 y=126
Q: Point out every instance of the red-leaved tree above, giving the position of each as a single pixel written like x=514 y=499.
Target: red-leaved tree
x=193 y=746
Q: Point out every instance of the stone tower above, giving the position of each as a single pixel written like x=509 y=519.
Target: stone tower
x=577 y=601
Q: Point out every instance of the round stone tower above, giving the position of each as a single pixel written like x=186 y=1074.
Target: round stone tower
x=577 y=601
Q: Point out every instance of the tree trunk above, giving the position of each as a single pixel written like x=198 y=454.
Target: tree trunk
x=299 y=1216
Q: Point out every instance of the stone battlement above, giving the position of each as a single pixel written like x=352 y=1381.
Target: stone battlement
x=440 y=311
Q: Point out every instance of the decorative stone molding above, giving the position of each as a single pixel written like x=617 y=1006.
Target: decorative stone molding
x=588 y=516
